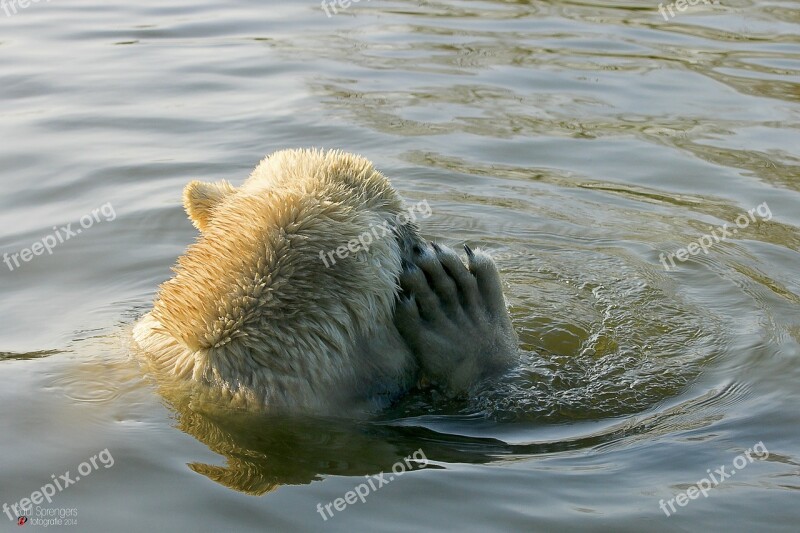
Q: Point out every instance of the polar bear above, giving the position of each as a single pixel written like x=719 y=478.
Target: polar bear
x=283 y=304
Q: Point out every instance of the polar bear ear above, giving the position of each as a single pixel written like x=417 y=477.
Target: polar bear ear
x=199 y=200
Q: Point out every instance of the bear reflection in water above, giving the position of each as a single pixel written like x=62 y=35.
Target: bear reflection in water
x=263 y=451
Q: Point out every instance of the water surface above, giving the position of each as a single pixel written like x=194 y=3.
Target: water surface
x=577 y=141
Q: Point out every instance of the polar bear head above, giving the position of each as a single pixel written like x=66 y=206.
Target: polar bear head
x=286 y=299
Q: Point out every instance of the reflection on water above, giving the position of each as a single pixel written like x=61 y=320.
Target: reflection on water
x=577 y=141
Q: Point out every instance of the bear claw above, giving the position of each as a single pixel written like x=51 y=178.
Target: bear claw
x=459 y=329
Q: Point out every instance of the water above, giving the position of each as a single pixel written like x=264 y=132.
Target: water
x=576 y=141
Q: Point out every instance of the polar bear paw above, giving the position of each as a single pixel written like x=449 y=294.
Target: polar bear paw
x=454 y=317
